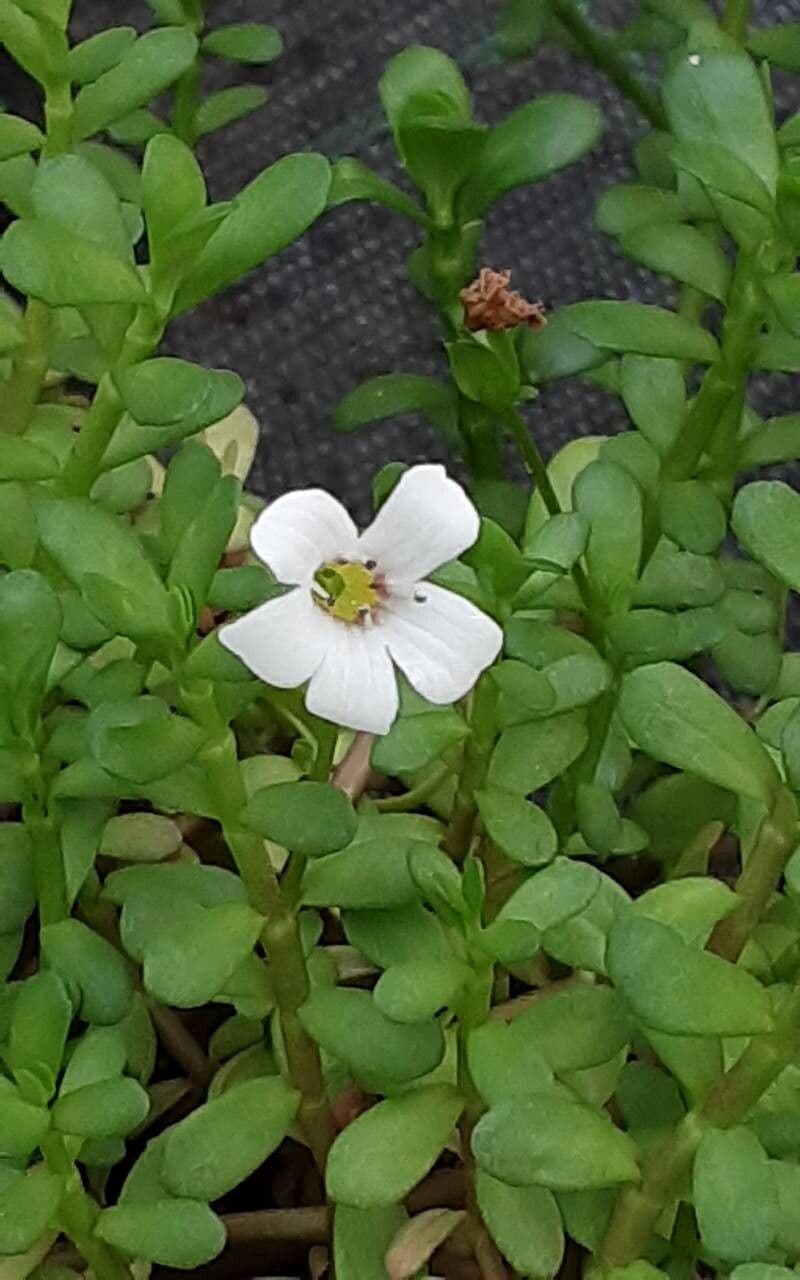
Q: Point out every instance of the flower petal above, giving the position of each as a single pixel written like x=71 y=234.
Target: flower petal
x=282 y=641
x=426 y=521
x=440 y=641
x=300 y=531
x=355 y=685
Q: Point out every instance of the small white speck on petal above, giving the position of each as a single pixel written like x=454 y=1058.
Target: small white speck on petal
x=300 y=531
x=694 y=59
x=282 y=641
x=355 y=685
x=441 y=643
x=427 y=520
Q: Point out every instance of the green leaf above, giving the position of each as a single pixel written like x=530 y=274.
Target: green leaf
x=524 y=1222
x=93 y=57
x=734 y=1195
x=309 y=818
x=639 y=328
x=556 y=351
x=547 y=1140
x=614 y=548
x=485 y=369
x=684 y=253
x=72 y=192
x=171 y=1233
x=173 y=191
x=22 y=1126
x=370 y=873
x=528 y=756
x=163 y=390
x=189 y=968
x=104 y=1109
x=558 y=543
x=40 y=1022
x=140 y=740
x=520 y=829
x=677 y=988
x=145 y=69
x=397 y=935
x=676 y=718
x=89 y=963
x=140 y=837
x=41 y=258
x=422 y=72
x=351 y=1026
x=269 y=214
x=654 y=394
x=784 y=294
x=631 y=205
x=378 y=1158
x=351 y=179
x=691 y=906
x=395 y=393
x=249 y=42
x=361 y=1238
x=692 y=515
x=227 y=105
x=553 y=895
x=535 y=141
x=575 y=1029
x=137 y=128
x=18 y=136
x=227 y=1139
x=779 y=44
x=22 y=459
x=709 y=93
x=30 y=620
x=28 y=1206
x=413 y=991
x=415 y=741
x=766 y=521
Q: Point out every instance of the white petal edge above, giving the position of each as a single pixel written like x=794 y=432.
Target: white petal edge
x=355 y=685
x=441 y=642
x=426 y=521
x=300 y=531
x=282 y=641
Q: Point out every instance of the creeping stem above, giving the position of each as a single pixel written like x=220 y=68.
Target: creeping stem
x=280 y=935
x=638 y=1208
x=78 y=1213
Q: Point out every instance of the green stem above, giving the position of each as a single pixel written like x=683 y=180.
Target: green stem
x=79 y=1214
x=723 y=381
x=728 y=1102
x=477 y=747
x=28 y=368
x=736 y=18
x=604 y=55
x=759 y=879
x=280 y=935
x=58 y=119
x=411 y=799
x=84 y=463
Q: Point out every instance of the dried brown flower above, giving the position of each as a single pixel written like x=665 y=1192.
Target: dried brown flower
x=490 y=304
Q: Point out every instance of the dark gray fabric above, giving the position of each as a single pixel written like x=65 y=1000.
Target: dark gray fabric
x=336 y=307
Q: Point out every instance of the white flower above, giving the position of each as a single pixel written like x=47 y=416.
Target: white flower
x=360 y=604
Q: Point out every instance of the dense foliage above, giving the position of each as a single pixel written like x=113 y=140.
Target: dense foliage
x=513 y=988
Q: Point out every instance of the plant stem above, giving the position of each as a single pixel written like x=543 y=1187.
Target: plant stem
x=48 y=864
x=79 y=1213
x=84 y=462
x=638 y=1208
x=28 y=368
x=723 y=381
x=604 y=55
x=58 y=119
x=736 y=18
x=759 y=879
x=410 y=799
x=475 y=759
x=280 y=935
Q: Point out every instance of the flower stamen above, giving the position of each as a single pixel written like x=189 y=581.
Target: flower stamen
x=347 y=591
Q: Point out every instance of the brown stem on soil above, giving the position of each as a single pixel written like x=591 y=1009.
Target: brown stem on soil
x=308 y=1226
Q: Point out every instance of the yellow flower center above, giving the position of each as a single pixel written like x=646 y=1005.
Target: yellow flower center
x=346 y=591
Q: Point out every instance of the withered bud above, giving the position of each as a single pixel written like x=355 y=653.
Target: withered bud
x=490 y=304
